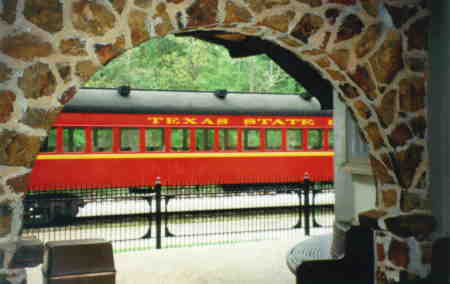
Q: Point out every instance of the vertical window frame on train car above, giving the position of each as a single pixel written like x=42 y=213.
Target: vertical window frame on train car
x=283 y=139
x=142 y=142
x=305 y=139
x=116 y=140
x=64 y=143
x=262 y=140
x=192 y=138
x=330 y=131
x=59 y=140
x=120 y=141
x=240 y=147
x=325 y=139
x=88 y=132
x=113 y=138
x=167 y=139
x=216 y=147
x=163 y=141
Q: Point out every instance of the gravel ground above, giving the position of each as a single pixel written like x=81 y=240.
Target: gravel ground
x=260 y=262
x=135 y=205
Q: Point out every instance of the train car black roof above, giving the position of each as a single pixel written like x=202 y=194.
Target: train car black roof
x=93 y=100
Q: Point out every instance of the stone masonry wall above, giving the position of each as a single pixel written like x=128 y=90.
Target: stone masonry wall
x=373 y=51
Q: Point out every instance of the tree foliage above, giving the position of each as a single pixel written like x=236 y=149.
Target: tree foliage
x=178 y=63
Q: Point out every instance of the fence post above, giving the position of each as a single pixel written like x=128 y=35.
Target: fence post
x=158 y=212
x=306 y=189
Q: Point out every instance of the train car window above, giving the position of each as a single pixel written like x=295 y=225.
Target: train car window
x=155 y=139
x=102 y=139
x=129 y=139
x=228 y=139
x=49 y=145
x=315 y=139
x=330 y=139
x=74 y=140
x=251 y=139
x=204 y=139
x=180 y=139
x=294 y=139
x=273 y=139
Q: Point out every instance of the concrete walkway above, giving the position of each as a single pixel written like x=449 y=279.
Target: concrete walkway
x=262 y=262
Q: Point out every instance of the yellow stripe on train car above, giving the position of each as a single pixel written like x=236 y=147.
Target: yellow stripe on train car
x=181 y=155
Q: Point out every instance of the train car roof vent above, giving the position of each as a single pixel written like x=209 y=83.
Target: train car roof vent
x=306 y=96
x=221 y=94
x=124 y=91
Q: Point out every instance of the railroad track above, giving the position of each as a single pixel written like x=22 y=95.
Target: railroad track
x=183 y=215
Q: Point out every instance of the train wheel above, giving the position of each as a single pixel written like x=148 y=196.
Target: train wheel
x=64 y=211
x=35 y=215
x=51 y=209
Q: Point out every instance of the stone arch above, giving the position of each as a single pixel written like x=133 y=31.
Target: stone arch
x=373 y=52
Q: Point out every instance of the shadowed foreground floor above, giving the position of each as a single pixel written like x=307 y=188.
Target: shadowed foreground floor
x=262 y=262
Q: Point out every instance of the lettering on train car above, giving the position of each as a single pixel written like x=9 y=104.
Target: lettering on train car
x=222 y=121
x=160 y=120
x=279 y=122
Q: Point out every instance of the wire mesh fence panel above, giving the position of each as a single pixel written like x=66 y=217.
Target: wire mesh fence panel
x=322 y=206
x=144 y=217
x=111 y=213
x=214 y=215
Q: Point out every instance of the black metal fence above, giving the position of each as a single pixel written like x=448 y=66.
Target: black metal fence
x=143 y=217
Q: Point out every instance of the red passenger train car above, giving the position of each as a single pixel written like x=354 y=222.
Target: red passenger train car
x=128 y=138
x=103 y=138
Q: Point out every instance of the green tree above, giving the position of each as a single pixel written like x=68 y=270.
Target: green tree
x=185 y=63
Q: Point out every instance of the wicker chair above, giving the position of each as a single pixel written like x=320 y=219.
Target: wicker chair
x=314 y=248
